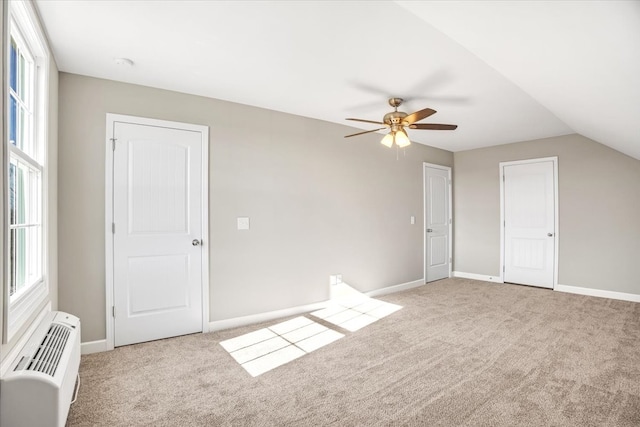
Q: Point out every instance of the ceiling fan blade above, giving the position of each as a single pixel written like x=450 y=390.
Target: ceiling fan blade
x=362 y=133
x=419 y=115
x=432 y=126
x=365 y=121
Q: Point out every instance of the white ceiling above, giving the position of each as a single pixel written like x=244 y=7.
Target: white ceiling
x=503 y=71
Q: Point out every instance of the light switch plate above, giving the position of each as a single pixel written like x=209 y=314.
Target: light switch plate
x=243 y=223
x=413 y=220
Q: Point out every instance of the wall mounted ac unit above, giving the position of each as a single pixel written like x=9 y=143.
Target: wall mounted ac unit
x=37 y=389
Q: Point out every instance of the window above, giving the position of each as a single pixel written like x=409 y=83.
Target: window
x=24 y=167
x=25 y=174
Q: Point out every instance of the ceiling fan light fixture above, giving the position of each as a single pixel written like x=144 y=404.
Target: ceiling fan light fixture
x=387 y=140
x=396 y=121
x=402 y=139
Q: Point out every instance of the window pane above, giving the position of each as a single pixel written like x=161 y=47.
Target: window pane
x=20 y=104
x=13 y=65
x=20 y=127
x=33 y=208
x=18 y=261
x=25 y=239
x=23 y=131
x=20 y=196
x=13 y=120
x=22 y=77
x=12 y=192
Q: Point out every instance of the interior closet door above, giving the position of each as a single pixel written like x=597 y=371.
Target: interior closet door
x=437 y=223
x=529 y=223
x=157 y=232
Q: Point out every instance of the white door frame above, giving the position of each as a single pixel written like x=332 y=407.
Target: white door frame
x=426 y=165
x=555 y=213
x=109 y=285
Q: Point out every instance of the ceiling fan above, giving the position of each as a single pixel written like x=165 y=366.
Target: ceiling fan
x=397 y=120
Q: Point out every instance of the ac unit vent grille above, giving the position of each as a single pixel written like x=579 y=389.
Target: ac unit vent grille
x=50 y=350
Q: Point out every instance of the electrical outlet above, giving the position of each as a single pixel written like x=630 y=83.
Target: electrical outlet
x=243 y=223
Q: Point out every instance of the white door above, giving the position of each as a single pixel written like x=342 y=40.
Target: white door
x=158 y=224
x=529 y=223
x=437 y=222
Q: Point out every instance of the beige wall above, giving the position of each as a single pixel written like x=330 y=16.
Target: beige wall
x=319 y=204
x=599 y=211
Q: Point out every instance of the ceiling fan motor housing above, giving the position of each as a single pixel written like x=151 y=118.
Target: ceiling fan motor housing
x=394 y=118
x=397 y=120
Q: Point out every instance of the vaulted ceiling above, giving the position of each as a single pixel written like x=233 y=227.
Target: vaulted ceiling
x=503 y=71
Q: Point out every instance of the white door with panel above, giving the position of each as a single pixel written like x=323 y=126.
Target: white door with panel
x=437 y=223
x=529 y=223
x=157 y=236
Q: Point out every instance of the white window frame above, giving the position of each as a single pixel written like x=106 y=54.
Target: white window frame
x=19 y=309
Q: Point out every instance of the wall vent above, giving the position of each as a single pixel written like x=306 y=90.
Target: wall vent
x=49 y=352
x=39 y=386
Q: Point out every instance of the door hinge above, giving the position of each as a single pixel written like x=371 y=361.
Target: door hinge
x=503 y=268
x=113 y=310
x=113 y=144
x=113 y=228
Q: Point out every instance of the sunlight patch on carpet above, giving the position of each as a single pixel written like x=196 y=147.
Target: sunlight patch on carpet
x=265 y=349
x=354 y=312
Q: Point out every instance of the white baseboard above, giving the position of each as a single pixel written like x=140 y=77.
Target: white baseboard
x=235 y=322
x=395 y=288
x=597 y=293
x=93 y=347
x=474 y=276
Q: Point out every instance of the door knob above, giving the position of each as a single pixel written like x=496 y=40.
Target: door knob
x=195 y=242
x=549 y=234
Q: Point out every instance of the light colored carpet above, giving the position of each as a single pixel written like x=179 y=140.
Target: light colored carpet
x=460 y=353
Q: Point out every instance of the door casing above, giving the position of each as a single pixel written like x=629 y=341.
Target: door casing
x=424 y=209
x=109 y=258
x=502 y=165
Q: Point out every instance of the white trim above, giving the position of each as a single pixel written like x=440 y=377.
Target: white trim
x=15 y=351
x=395 y=288
x=426 y=165
x=556 y=237
x=108 y=236
x=109 y=286
x=23 y=16
x=474 y=276
x=21 y=309
x=205 y=228
x=235 y=322
x=25 y=11
x=597 y=293
x=251 y=319
x=93 y=347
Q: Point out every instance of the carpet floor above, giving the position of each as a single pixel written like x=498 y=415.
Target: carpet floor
x=459 y=353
